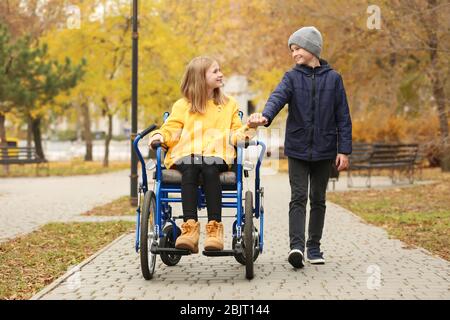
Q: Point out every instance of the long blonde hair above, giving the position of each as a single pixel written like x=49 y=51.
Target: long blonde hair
x=194 y=87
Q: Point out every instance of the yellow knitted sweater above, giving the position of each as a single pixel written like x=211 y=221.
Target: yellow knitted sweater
x=212 y=134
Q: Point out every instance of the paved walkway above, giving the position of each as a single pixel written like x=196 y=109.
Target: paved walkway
x=362 y=263
x=28 y=203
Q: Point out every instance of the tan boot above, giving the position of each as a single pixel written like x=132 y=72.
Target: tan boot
x=190 y=233
x=214 y=236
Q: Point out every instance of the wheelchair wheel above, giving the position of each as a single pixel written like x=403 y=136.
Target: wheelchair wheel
x=168 y=242
x=148 y=259
x=248 y=235
x=241 y=257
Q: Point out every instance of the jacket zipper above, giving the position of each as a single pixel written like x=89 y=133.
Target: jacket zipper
x=313 y=100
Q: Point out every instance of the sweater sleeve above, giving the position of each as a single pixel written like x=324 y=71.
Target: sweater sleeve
x=172 y=128
x=239 y=131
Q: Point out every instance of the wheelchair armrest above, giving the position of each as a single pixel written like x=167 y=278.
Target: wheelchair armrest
x=160 y=156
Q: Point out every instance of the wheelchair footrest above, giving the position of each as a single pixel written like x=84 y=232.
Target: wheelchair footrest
x=219 y=253
x=181 y=252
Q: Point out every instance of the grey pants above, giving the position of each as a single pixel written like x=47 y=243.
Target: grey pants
x=302 y=173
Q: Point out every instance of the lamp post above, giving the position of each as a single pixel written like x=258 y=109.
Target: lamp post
x=134 y=104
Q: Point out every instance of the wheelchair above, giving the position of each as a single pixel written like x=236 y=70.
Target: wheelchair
x=156 y=228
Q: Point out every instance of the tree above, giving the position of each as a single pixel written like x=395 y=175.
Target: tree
x=12 y=91
x=31 y=18
x=42 y=79
x=419 y=32
x=398 y=71
x=8 y=84
x=106 y=85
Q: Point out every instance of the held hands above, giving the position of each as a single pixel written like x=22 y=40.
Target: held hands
x=341 y=162
x=256 y=119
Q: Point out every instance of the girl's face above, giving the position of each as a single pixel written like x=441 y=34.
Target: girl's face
x=214 y=77
x=300 y=55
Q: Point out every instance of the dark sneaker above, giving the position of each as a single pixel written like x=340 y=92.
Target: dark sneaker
x=296 y=258
x=314 y=256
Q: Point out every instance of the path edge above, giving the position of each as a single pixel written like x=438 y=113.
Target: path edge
x=76 y=268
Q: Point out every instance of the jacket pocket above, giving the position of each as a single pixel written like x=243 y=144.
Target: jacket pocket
x=327 y=141
x=297 y=139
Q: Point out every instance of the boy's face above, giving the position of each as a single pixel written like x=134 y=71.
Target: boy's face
x=300 y=55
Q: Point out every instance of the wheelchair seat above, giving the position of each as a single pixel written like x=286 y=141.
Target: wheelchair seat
x=173 y=176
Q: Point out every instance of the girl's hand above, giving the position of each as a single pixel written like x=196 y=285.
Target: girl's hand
x=156 y=137
x=256 y=119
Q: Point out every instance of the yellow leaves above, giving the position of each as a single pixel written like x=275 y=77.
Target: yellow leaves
x=266 y=81
x=118 y=207
x=33 y=261
x=418 y=215
x=382 y=125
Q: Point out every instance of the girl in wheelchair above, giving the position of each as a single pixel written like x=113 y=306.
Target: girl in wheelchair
x=199 y=136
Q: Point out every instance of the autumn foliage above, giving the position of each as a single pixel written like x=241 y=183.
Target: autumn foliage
x=395 y=71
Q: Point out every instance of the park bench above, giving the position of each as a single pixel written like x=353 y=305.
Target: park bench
x=22 y=156
x=400 y=157
x=420 y=161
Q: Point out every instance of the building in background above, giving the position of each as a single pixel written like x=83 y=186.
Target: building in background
x=237 y=87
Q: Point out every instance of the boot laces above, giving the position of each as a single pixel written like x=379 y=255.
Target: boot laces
x=213 y=229
x=186 y=228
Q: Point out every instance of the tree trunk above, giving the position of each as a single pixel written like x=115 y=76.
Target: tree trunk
x=29 y=131
x=36 y=127
x=79 y=124
x=439 y=95
x=108 y=140
x=87 y=134
x=2 y=130
x=3 y=142
x=437 y=84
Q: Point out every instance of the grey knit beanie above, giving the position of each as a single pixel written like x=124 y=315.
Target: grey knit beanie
x=308 y=38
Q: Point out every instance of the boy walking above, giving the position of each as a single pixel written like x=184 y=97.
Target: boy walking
x=318 y=131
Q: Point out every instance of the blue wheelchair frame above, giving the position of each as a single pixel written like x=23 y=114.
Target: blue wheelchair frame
x=162 y=190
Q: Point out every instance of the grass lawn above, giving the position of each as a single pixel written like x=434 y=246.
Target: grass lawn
x=31 y=262
x=65 y=168
x=418 y=215
x=119 y=207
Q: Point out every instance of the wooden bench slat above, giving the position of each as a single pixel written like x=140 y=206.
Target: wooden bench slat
x=19 y=155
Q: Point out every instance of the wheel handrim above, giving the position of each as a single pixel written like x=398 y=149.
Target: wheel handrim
x=151 y=236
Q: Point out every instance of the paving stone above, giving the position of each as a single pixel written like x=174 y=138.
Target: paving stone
x=355 y=252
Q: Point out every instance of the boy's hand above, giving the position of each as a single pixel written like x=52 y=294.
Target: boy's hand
x=156 y=137
x=256 y=119
x=341 y=162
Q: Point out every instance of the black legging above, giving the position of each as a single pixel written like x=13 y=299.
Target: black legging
x=210 y=168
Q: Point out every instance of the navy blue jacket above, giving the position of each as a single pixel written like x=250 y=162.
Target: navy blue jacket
x=318 y=124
